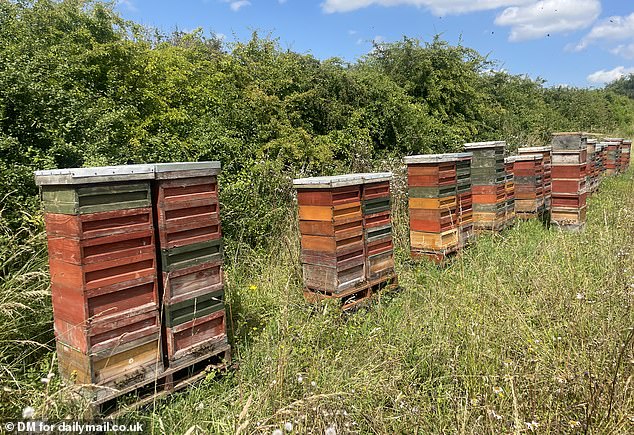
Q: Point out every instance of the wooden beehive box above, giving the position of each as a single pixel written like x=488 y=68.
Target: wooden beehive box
x=102 y=258
x=190 y=241
x=332 y=233
x=377 y=226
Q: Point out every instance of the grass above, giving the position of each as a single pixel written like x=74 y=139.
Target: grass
x=527 y=331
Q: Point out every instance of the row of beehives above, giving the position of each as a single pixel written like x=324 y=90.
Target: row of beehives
x=453 y=196
x=135 y=257
x=136 y=252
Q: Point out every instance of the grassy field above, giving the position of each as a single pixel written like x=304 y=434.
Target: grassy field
x=528 y=331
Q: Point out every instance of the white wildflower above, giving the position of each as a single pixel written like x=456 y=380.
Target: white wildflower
x=313 y=384
x=28 y=412
x=288 y=426
x=300 y=379
x=277 y=432
x=330 y=431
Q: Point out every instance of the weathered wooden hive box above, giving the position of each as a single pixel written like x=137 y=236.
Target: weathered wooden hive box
x=434 y=206
x=190 y=240
x=546 y=153
x=464 y=198
x=102 y=257
x=569 y=171
x=529 y=185
x=491 y=192
x=346 y=235
x=331 y=226
x=509 y=189
x=592 y=181
x=625 y=154
x=377 y=225
x=614 y=146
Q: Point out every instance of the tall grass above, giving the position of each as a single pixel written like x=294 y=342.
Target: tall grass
x=527 y=331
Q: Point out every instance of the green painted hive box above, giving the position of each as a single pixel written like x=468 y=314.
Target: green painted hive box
x=78 y=191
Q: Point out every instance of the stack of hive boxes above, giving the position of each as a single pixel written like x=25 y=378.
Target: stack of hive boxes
x=135 y=257
x=376 y=205
x=592 y=181
x=602 y=152
x=613 y=155
x=102 y=258
x=569 y=170
x=529 y=185
x=464 y=198
x=545 y=152
x=346 y=236
x=188 y=222
x=488 y=178
x=509 y=188
x=433 y=207
x=625 y=155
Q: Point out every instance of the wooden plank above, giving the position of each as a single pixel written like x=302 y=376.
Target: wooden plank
x=83 y=199
x=102 y=224
x=433 y=241
x=100 y=249
x=182 y=257
x=432 y=203
x=189 y=309
x=340 y=213
x=183 y=284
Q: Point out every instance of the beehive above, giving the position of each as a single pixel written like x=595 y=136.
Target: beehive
x=331 y=226
x=185 y=199
x=569 y=171
x=434 y=204
x=464 y=198
x=545 y=152
x=489 y=185
x=625 y=154
x=529 y=185
x=613 y=158
x=102 y=257
x=346 y=235
x=377 y=226
x=592 y=180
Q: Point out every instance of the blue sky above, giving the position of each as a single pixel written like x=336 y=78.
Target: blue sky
x=566 y=42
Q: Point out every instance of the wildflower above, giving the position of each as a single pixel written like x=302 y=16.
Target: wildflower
x=330 y=431
x=277 y=432
x=253 y=287
x=288 y=426
x=300 y=379
x=474 y=401
x=574 y=423
x=532 y=425
x=313 y=384
x=28 y=412
x=45 y=380
x=495 y=415
x=200 y=406
x=499 y=391
x=580 y=296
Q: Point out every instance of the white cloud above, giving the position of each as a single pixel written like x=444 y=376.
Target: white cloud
x=624 y=50
x=438 y=7
x=611 y=29
x=128 y=4
x=546 y=17
x=236 y=5
x=607 y=76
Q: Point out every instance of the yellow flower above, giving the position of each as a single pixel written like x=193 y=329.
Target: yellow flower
x=499 y=391
x=253 y=287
